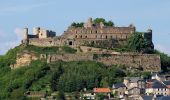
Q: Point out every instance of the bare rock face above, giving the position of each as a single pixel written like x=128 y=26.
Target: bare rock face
x=24 y=59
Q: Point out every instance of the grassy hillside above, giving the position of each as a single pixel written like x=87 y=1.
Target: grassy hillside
x=58 y=76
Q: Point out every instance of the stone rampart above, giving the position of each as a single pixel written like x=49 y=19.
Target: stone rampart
x=146 y=62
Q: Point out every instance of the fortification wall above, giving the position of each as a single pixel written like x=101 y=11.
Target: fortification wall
x=98 y=33
x=69 y=57
x=46 y=42
x=146 y=62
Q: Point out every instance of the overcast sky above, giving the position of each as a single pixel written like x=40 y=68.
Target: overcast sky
x=57 y=15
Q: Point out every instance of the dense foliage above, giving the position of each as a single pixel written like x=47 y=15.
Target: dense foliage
x=106 y=23
x=95 y=21
x=138 y=43
x=77 y=24
x=78 y=75
x=165 y=61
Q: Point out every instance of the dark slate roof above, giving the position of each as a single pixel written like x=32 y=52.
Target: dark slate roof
x=166 y=82
x=158 y=85
x=118 y=85
x=163 y=98
x=152 y=80
x=147 y=97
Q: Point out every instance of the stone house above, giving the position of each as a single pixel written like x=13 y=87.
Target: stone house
x=131 y=82
x=119 y=89
x=134 y=91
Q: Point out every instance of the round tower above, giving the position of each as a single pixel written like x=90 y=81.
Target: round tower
x=25 y=32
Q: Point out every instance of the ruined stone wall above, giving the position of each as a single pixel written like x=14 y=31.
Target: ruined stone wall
x=46 y=42
x=99 y=33
x=146 y=62
x=69 y=57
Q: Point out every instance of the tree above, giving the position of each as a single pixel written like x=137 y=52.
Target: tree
x=61 y=96
x=138 y=43
x=106 y=23
x=74 y=24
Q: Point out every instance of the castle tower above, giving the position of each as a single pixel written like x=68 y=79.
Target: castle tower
x=25 y=32
x=101 y=25
x=89 y=23
x=149 y=30
x=133 y=27
x=36 y=30
x=149 y=33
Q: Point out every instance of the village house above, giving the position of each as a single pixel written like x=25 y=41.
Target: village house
x=157 y=88
x=104 y=91
x=119 y=89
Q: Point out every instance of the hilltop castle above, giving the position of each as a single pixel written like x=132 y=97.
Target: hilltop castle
x=77 y=36
x=89 y=33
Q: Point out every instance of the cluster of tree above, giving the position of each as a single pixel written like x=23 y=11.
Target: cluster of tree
x=106 y=23
x=138 y=43
x=79 y=75
x=77 y=24
x=165 y=61
x=95 y=21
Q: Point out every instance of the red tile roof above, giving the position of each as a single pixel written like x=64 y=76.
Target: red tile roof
x=102 y=90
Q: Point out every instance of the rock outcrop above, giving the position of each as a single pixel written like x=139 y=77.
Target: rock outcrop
x=24 y=59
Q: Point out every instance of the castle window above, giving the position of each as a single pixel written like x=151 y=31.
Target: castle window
x=80 y=36
x=106 y=36
x=76 y=36
x=96 y=31
x=85 y=36
x=70 y=43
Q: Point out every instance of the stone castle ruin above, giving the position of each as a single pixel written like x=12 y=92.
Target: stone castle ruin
x=79 y=37
x=76 y=36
